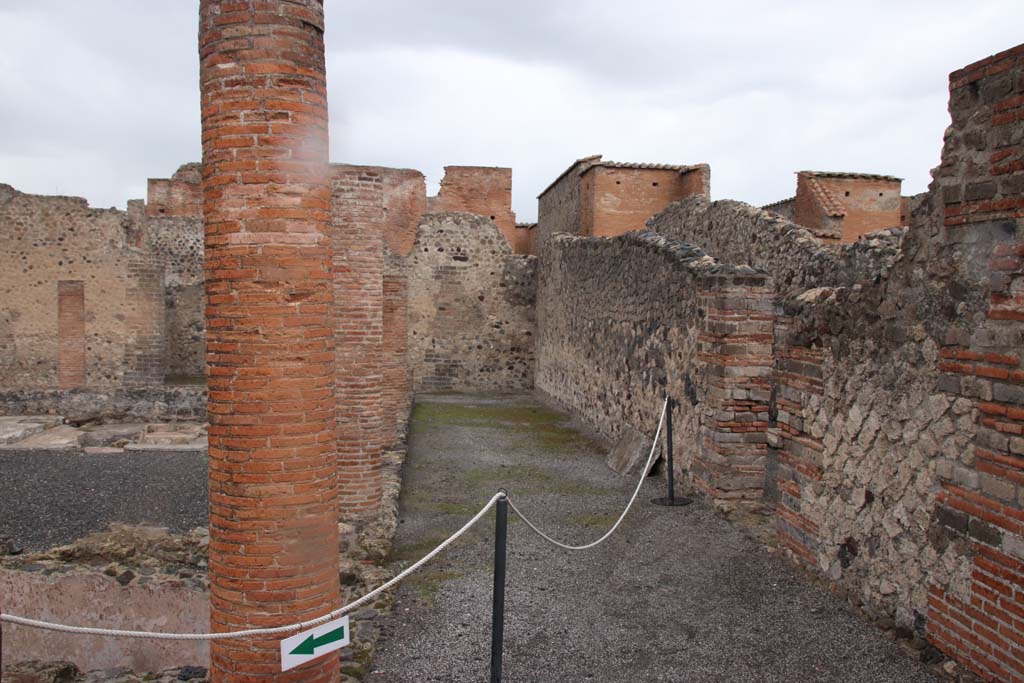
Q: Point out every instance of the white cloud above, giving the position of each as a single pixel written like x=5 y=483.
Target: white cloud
x=95 y=97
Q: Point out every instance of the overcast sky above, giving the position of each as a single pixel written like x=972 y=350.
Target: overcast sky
x=98 y=95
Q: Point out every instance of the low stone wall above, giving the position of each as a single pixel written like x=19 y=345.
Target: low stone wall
x=471 y=307
x=144 y=404
x=131 y=578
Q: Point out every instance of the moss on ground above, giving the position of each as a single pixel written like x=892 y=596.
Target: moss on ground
x=599 y=520
x=428 y=583
x=543 y=430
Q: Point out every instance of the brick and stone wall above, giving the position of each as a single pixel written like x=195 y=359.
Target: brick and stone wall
x=606 y=198
x=877 y=388
x=108 y=333
x=174 y=227
x=899 y=402
x=481 y=190
x=735 y=232
x=622 y=321
x=471 y=307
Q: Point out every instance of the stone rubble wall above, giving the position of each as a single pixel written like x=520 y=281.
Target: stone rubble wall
x=900 y=401
x=735 y=232
x=49 y=240
x=471 y=307
x=624 y=320
x=888 y=372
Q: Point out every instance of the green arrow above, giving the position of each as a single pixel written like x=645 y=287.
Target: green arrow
x=310 y=644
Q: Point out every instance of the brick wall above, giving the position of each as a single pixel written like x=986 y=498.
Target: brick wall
x=357 y=222
x=981 y=185
x=471 y=307
x=395 y=361
x=270 y=352
x=180 y=196
x=482 y=190
x=844 y=206
x=526 y=242
x=816 y=210
x=70 y=334
x=624 y=198
x=604 y=199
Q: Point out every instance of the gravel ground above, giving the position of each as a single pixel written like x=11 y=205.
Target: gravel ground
x=49 y=499
x=676 y=595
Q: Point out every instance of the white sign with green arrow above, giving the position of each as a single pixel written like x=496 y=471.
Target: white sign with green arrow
x=307 y=646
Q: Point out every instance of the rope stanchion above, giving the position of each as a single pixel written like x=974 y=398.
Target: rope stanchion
x=636 y=492
x=248 y=633
x=501 y=499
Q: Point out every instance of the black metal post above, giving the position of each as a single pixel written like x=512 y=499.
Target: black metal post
x=498 y=612
x=669 y=409
x=670 y=500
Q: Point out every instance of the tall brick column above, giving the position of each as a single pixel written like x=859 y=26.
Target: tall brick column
x=357 y=230
x=270 y=358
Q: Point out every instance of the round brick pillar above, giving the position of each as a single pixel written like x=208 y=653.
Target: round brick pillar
x=270 y=356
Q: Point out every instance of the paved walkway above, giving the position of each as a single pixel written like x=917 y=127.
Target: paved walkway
x=675 y=595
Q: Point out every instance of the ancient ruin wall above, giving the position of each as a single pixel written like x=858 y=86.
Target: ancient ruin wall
x=624 y=320
x=357 y=226
x=471 y=307
x=55 y=244
x=623 y=198
x=482 y=190
x=900 y=404
x=174 y=228
x=397 y=388
x=735 y=232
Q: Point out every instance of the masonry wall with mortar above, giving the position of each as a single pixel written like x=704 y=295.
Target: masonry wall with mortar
x=844 y=206
x=271 y=338
x=611 y=344
x=471 y=307
x=736 y=232
x=604 y=198
x=357 y=222
x=894 y=437
x=897 y=415
x=49 y=240
x=174 y=226
x=481 y=190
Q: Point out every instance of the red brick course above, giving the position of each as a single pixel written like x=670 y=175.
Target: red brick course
x=357 y=221
x=71 y=334
x=270 y=358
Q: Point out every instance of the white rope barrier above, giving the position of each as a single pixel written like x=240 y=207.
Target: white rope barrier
x=636 y=492
x=113 y=633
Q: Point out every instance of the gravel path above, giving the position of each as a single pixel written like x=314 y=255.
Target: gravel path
x=49 y=499
x=676 y=595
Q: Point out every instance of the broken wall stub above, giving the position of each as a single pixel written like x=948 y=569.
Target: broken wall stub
x=471 y=307
x=174 y=227
x=623 y=321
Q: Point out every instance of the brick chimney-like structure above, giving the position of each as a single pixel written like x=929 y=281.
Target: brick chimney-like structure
x=270 y=358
